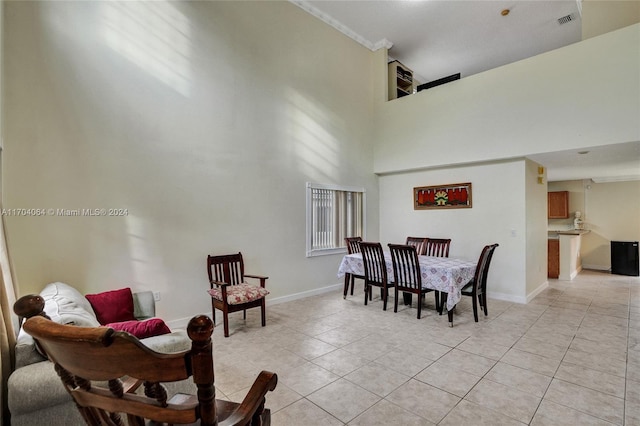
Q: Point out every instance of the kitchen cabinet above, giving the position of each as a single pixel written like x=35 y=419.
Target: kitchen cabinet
x=558 y=205
x=400 y=80
x=553 y=261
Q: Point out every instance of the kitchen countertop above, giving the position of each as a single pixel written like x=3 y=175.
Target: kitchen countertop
x=570 y=232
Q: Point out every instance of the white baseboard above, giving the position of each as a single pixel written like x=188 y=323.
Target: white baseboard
x=518 y=299
x=537 y=291
x=506 y=297
x=596 y=267
x=181 y=323
x=304 y=294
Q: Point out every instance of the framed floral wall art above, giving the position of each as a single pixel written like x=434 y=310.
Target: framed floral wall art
x=452 y=196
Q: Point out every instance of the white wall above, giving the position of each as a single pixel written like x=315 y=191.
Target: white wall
x=204 y=122
x=536 y=237
x=582 y=95
x=585 y=94
x=602 y=16
x=498 y=211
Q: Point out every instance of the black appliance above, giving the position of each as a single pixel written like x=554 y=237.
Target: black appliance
x=624 y=258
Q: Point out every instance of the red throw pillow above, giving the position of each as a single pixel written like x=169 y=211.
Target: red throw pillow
x=142 y=329
x=112 y=306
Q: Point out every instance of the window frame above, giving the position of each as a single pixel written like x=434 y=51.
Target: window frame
x=309 y=222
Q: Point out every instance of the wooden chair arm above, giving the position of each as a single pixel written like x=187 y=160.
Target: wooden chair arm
x=219 y=283
x=262 y=278
x=253 y=403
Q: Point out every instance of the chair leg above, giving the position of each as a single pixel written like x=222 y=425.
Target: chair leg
x=385 y=296
x=225 y=317
x=367 y=289
x=347 y=277
x=437 y=297
x=395 y=302
x=419 y=304
x=244 y=314
x=475 y=309
x=482 y=298
x=353 y=279
x=263 y=313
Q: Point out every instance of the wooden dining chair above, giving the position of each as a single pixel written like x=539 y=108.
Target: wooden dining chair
x=406 y=272
x=375 y=271
x=87 y=357
x=420 y=243
x=437 y=247
x=230 y=292
x=353 y=246
x=477 y=287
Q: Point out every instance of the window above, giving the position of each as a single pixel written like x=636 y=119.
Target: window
x=333 y=213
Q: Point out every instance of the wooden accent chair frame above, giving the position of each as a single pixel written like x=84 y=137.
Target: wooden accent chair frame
x=353 y=246
x=477 y=288
x=86 y=355
x=229 y=292
x=406 y=270
x=375 y=271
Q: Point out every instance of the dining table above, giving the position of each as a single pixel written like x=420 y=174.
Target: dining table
x=444 y=274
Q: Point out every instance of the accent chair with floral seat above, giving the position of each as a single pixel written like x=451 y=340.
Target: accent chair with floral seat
x=230 y=292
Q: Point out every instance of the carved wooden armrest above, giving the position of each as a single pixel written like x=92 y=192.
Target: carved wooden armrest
x=253 y=404
x=29 y=306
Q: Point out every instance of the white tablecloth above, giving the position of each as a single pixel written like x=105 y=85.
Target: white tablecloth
x=446 y=274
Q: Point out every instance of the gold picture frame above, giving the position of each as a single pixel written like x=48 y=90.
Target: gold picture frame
x=451 y=196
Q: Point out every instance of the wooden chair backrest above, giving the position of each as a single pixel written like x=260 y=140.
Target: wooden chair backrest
x=353 y=244
x=84 y=355
x=419 y=243
x=437 y=247
x=226 y=268
x=375 y=267
x=482 y=269
x=406 y=267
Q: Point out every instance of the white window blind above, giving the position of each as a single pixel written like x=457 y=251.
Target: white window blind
x=333 y=213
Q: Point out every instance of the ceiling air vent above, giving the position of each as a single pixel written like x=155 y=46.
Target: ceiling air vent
x=565 y=19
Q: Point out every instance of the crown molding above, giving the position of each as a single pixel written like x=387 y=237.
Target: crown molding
x=330 y=20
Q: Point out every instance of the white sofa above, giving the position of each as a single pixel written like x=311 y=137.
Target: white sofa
x=36 y=394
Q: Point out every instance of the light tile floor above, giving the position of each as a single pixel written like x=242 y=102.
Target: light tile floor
x=569 y=357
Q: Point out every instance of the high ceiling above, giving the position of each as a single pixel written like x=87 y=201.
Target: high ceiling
x=439 y=38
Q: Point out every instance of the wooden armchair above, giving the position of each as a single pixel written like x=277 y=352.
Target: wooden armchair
x=229 y=292
x=86 y=356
